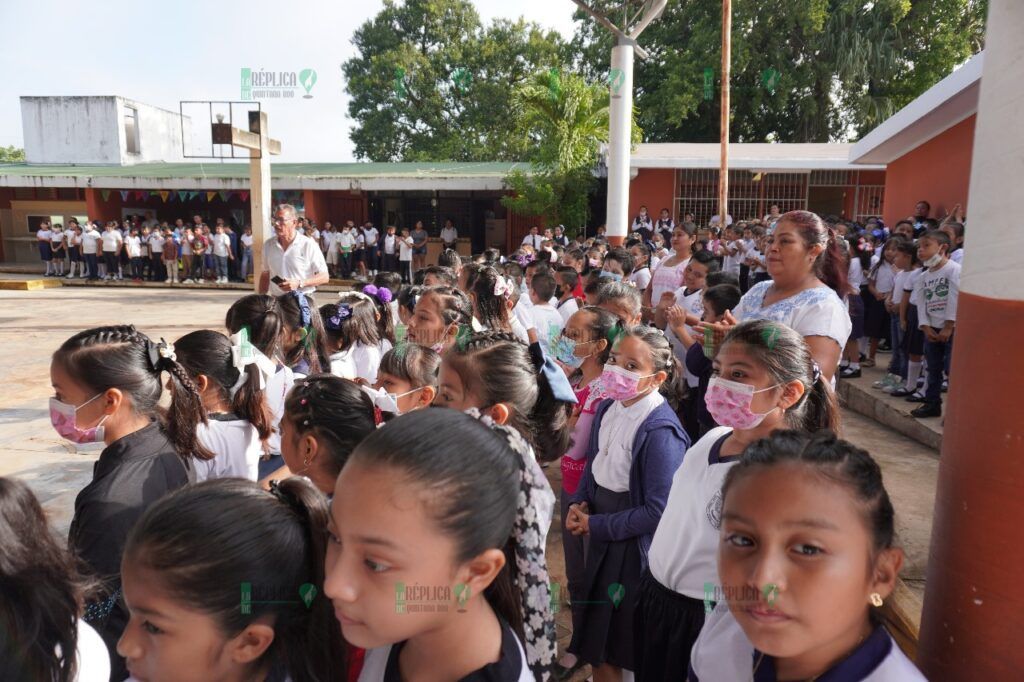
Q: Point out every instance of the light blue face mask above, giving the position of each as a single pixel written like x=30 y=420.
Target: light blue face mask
x=565 y=352
x=610 y=275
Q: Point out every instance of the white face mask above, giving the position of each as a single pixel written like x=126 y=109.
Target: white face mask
x=384 y=401
x=933 y=261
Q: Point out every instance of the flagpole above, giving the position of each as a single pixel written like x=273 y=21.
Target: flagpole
x=723 y=172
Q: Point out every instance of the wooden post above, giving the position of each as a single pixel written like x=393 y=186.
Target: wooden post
x=723 y=172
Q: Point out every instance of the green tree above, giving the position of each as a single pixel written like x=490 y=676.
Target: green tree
x=12 y=154
x=566 y=119
x=430 y=82
x=842 y=66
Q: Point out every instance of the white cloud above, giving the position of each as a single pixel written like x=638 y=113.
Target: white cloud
x=161 y=53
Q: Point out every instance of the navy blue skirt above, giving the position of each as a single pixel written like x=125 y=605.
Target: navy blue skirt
x=45 y=251
x=611 y=586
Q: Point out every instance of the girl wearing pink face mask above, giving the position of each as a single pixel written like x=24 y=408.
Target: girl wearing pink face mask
x=107 y=385
x=636 y=445
x=764 y=380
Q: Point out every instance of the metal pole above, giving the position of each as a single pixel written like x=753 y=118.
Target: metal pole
x=723 y=172
x=620 y=131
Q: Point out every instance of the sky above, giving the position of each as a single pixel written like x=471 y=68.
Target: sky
x=161 y=53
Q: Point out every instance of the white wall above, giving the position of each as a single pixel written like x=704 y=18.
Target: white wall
x=90 y=130
x=80 y=130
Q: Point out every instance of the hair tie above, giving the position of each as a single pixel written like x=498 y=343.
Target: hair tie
x=815 y=371
x=536 y=500
x=343 y=312
x=243 y=354
x=502 y=287
x=160 y=354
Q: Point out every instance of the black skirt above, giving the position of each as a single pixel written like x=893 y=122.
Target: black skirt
x=913 y=339
x=666 y=628
x=876 y=318
x=611 y=581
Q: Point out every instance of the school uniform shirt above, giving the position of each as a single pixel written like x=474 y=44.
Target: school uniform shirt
x=692 y=301
x=899 y=280
x=450 y=234
x=389 y=244
x=56 y=238
x=359 y=361
x=246 y=240
x=370 y=237
x=381 y=664
x=640 y=278
x=518 y=329
x=186 y=245
x=70 y=237
x=275 y=392
x=404 y=250
x=957 y=256
x=90 y=241
x=731 y=262
x=221 y=245
x=112 y=240
x=723 y=652
x=883 y=278
x=300 y=261
x=855 y=274
x=156 y=243
x=684 y=552
x=614 y=457
x=547 y=321
x=236 y=444
x=642 y=222
x=666 y=278
x=935 y=295
x=92 y=660
x=534 y=240
x=345 y=242
x=567 y=309
x=134 y=246
x=753 y=254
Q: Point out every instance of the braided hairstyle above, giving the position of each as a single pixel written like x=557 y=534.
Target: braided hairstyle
x=663 y=359
x=497 y=367
x=121 y=357
x=453 y=304
x=335 y=410
x=313 y=347
x=491 y=310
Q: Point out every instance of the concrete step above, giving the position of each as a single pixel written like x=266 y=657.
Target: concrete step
x=859 y=396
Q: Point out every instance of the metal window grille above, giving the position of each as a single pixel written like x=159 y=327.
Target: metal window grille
x=751 y=194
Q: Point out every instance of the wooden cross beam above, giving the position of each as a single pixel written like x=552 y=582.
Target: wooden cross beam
x=257 y=140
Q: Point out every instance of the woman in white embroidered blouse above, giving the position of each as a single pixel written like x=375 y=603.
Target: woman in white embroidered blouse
x=805 y=261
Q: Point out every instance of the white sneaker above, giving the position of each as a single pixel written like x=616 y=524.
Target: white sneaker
x=167 y=281
x=188 y=280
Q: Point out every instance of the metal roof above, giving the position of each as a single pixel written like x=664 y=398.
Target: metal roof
x=215 y=175
x=939 y=108
x=755 y=156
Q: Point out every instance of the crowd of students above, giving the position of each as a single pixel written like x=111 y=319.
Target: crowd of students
x=147 y=250
x=354 y=488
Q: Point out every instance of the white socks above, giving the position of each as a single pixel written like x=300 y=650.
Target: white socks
x=913 y=373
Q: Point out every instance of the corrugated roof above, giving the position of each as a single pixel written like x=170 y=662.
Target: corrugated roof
x=747 y=156
x=216 y=175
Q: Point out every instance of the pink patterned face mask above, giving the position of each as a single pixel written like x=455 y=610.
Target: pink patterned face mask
x=62 y=416
x=729 y=402
x=619 y=383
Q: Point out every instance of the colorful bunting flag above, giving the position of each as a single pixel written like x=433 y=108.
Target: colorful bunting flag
x=105 y=193
x=224 y=195
x=244 y=196
x=210 y=196
x=182 y=195
x=124 y=195
x=163 y=195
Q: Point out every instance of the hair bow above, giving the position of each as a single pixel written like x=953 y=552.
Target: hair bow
x=502 y=287
x=304 y=311
x=159 y=354
x=382 y=294
x=561 y=389
x=243 y=354
x=343 y=312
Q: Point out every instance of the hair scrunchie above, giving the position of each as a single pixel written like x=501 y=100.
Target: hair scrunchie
x=306 y=315
x=532 y=578
x=160 y=354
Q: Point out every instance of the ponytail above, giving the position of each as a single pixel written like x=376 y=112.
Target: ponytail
x=786 y=357
x=250 y=402
x=200 y=540
x=261 y=314
x=186 y=411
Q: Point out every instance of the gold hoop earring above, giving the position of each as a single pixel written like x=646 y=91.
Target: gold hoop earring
x=876 y=599
x=305 y=461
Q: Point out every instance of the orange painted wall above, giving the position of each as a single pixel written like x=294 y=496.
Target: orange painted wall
x=654 y=188
x=938 y=171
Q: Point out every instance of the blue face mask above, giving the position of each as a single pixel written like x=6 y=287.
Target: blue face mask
x=565 y=352
x=611 y=275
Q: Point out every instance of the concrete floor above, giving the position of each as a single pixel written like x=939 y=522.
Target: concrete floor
x=33 y=324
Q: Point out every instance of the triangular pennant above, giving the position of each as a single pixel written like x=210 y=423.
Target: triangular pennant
x=164 y=194
x=224 y=195
x=182 y=195
x=105 y=193
x=210 y=196
x=193 y=195
x=244 y=196
x=124 y=195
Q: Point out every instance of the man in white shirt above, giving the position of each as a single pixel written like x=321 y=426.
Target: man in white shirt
x=327 y=239
x=534 y=239
x=157 y=271
x=291 y=261
x=345 y=243
x=449 y=236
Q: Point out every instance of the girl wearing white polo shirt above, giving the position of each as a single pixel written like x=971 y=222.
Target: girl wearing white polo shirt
x=230 y=378
x=133 y=245
x=45 y=249
x=57 y=245
x=806 y=559
x=764 y=379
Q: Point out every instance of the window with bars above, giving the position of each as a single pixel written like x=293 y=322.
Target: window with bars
x=751 y=194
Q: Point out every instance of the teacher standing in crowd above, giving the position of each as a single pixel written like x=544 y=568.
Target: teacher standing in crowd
x=291 y=261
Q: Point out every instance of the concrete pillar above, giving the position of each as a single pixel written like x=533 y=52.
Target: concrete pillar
x=619 y=138
x=973 y=622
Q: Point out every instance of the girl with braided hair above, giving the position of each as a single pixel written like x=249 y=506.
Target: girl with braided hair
x=439 y=314
x=303 y=341
x=107 y=386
